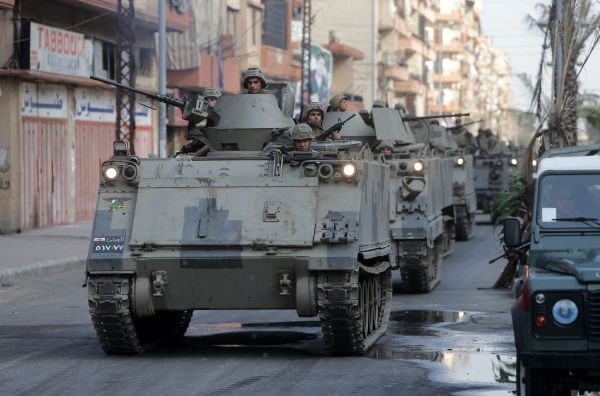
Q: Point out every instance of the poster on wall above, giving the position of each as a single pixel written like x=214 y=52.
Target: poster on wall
x=93 y=104
x=59 y=51
x=43 y=100
x=321 y=71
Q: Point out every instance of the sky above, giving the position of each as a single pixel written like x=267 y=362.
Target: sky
x=504 y=22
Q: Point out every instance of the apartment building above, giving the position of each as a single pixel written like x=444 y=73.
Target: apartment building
x=58 y=125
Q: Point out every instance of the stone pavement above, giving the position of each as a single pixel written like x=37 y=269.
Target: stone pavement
x=37 y=252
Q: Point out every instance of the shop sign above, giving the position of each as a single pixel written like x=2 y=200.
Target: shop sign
x=93 y=104
x=59 y=51
x=43 y=100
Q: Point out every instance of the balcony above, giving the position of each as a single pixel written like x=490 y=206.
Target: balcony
x=279 y=64
x=7 y=4
x=146 y=12
x=396 y=72
x=454 y=47
x=207 y=75
x=447 y=78
x=452 y=17
x=341 y=51
x=411 y=87
x=427 y=12
x=413 y=45
x=394 y=23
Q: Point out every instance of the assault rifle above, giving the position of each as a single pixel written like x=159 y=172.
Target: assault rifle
x=431 y=117
x=192 y=111
x=334 y=128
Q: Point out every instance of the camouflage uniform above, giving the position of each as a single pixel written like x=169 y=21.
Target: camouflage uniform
x=317 y=129
x=488 y=141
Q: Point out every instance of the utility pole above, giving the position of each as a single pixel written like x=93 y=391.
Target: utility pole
x=305 y=88
x=558 y=68
x=162 y=80
x=125 y=71
x=373 y=50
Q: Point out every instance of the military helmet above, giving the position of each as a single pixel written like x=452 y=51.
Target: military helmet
x=310 y=107
x=212 y=93
x=336 y=100
x=380 y=103
x=302 y=131
x=254 y=72
x=385 y=143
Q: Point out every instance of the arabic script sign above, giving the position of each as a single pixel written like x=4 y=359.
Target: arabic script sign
x=43 y=100
x=59 y=51
x=95 y=105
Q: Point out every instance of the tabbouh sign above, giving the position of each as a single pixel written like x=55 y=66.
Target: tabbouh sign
x=59 y=51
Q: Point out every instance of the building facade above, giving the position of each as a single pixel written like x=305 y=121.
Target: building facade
x=58 y=124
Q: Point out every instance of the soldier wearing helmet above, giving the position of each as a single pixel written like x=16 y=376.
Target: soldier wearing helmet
x=254 y=81
x=211 y=95
x=302 y=134
x=385 y=148
x=380 y=103
x=313 y=115
x=338 y=103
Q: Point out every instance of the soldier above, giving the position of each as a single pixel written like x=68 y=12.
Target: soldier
x=385 y=148
x=254 y=81
x=487 y=141
x=380 y=103
x=302 y=134
x=338 y=103
x=211 y=95
x=313 y=115
x=463 y=138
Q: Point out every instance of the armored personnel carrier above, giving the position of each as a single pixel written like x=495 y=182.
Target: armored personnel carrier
x=421 y=203
x=491 y=176
x=463 y=190
x=556 y=317
x=246 y=227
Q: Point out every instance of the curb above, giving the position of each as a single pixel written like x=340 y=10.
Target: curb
x=7 y=276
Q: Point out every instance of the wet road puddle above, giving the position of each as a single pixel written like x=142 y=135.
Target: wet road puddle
x=450 y=355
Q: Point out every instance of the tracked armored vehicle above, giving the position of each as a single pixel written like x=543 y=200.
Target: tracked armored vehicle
x=246 y=227
x=421 y=203
x=491 y=176
x=463 y=190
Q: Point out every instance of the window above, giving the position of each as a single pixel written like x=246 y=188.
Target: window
x=275 y=23
x=230 y=21
x=256 y=22
x=143 y=61
x=109 y=55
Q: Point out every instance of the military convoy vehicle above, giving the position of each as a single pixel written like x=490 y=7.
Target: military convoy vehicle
x=252 y=225
x=421 y=202
x=556 y=318
x=491 y=177
x=463 y=190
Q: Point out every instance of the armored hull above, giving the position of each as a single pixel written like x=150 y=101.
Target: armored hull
x=421 y=225
x=421 y=205
x=490 y=177
x=241 y=230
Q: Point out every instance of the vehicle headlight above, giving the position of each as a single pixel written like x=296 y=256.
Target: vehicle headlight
x=111 y=173
x=349 y=170
x=565 y=312
x=460 y=161
x=418 y=166
x=513 y=161
x=534 y=163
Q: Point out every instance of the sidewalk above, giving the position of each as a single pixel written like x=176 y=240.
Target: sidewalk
x=41 y=251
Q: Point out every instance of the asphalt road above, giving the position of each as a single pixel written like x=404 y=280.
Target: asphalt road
x=455 y=340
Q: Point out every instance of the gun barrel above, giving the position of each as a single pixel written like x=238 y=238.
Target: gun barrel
x=431 y=117
x=166 y=99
